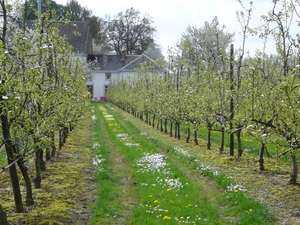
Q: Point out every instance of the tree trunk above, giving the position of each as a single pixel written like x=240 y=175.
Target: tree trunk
x=153 y=120
x=29 y=196
x=42 y=162
x=48 y=154
x=38 y=176
x=261 y=157
x=166 y=126
x=231 y=107
x=178 y=131
x=188 y=135
x=195 y=136
x=208 y=138
x=65 y=134
x=294 y=169
x=239 y=142
x=161 y=125
x=141 y=116
x=146 y=120
x=175 y=130
x=171 y=129
x=222 y=140
x=60 y=141
x=24 y=171
x=3 y=218
x=53 y=148
x=10 y=159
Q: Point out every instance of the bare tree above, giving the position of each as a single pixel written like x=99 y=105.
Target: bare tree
x=78 y=12
x=131 y=31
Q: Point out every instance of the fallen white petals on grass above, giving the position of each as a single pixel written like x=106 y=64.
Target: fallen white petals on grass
x=109 y=117
x=153 y=163
x=169 y=183
x=236 y=188
x=96 y=145
x=132 y=144
x=181 y=151
x=122 y=137
x=98 y=159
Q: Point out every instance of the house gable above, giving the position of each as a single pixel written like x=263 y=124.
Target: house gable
x=118 y=66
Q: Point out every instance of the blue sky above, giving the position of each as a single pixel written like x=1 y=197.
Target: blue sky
x=171 y=17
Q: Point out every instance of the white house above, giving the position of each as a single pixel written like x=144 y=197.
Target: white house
x=112 y=67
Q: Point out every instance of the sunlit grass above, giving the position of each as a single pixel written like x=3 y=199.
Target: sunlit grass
x=166 y=183
x=3 y=161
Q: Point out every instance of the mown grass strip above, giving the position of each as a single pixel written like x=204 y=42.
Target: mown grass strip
x=166 y=193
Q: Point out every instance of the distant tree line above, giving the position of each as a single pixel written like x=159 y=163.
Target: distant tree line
x=129 y=30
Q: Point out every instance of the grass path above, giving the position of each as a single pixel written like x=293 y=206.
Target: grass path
x=142 y=180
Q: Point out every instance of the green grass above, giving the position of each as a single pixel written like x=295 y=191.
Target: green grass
x=249 y=144
x=3 y=161
x=182 y=191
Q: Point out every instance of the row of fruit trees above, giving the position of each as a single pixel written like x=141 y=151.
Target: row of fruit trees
x=43 y=90
x=209 y=83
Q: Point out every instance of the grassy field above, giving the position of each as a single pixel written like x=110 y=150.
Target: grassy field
x=143 y=180
x=116 y=169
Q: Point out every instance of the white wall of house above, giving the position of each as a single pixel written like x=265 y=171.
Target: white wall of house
x=100 y=82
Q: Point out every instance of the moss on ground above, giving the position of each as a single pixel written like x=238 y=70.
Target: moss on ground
x=68 y=186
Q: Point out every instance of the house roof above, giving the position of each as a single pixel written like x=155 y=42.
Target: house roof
x=114 y=62
x=77 y=33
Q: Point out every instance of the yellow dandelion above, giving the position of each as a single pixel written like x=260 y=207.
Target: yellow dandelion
x=181 y=217
x=251 y=210
x=167 y=217
x=156 y=201
x=236 y=191
x=189 y=205
x=169 y=189
x=166 y=210
x=150 y=196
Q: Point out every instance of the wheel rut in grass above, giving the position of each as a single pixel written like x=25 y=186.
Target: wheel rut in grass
x=123 y=182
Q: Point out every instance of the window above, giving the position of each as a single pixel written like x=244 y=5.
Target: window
x=107 y=76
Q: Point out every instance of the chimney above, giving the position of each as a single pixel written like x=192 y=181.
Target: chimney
x=123 y=56
x=88 y=20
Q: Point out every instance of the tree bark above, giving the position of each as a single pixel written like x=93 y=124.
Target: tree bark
x=294 y=169
x=53 y=148
x=10 y=158
x=188 y=135
x=24 y=171
x=171 y=129
x=42 y=162
x=3 y=218
x=161 y=125
x=60 y=141
x=231 y=110
x=222 y=140
x=209 y=138
x=239 y=142
x=38 y=176
x=153 y=120
x=166 y=126
x=261 y=157
x=195 y=136
x=178 y=131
